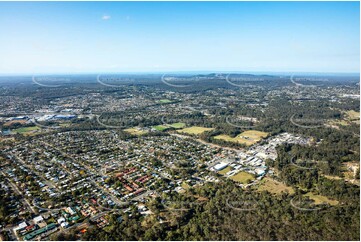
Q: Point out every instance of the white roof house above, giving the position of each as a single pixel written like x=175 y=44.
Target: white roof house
x=61 y=220
x=64 y=224
x=21 y=226
x=38 y=219
x=71 y=211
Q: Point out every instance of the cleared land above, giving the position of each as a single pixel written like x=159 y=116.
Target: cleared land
x=319 y=199
x=338 y=122
x=248 y=137
x=194 y=130
x=353 y=115
x=185 y=186
x=350 y=117
x=274 y=187
x=333 y=177
x=349 y=171
x=135 y=131
x=8 y=123
x=242 y=177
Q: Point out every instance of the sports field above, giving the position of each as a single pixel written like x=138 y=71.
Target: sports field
x=163 y=101
x=194 y=130
x=135 y=131
x=225 y=170
x=248 y=137
x=177 y=125
x=25 y=130
x=242 y=177
x=163 y=127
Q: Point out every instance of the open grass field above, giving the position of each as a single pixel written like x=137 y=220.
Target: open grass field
x=349 y=175
x=163 y=101
x=135 y=131
x=225 y=170
x=242 y=177
x=353 y=115
x=349 y=170
x=25 y=130
x=274 y=187
x=194 y=130
x=333 y=177
x=185 y=186
x=248 y=137
x=201 y=199
x=177 y=125
x=338 y=122
x=236 y=139
x=108 y=228
x=7 y=139
x=65 y=125
x=319 y=199
x=161 y=127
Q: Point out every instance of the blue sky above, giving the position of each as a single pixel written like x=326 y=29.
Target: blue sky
x=80 y=37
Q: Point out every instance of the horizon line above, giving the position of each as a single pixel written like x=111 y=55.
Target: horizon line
x=184 y=72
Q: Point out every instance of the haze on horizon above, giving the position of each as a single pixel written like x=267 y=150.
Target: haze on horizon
x=90 y=37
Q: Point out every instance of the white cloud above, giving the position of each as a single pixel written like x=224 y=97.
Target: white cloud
x=106 y=17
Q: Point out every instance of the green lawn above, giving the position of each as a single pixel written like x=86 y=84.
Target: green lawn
x=165 y=101
x=177 y=125
x=65 y=125
x=161 y=127
x=25 y=129
x=225 y=170
x=242 y=177
x=108 y=228
x=135 y=131
x=248 y=137
x=194 y=130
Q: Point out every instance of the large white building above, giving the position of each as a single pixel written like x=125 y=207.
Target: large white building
x=220 y=166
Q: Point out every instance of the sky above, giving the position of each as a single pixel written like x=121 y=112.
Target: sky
x=99 y=37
